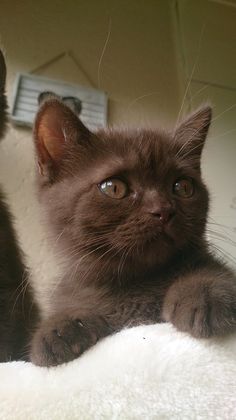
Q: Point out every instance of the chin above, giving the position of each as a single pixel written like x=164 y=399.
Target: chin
x=156 y=253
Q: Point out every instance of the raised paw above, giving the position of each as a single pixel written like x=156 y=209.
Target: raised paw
x=61 y=340
x=202 y=308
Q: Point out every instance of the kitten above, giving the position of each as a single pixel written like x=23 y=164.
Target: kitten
x=128 y=209
x=17 y=309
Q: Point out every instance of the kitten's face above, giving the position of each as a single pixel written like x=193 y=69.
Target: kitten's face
x=135 y=195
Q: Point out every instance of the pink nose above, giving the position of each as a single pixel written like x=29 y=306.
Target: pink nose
x=164 y=215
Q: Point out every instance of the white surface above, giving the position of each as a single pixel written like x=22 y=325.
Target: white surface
x=147 y=372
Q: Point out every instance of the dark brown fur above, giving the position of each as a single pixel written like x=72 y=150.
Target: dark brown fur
x=17 y=310
x=139 y=259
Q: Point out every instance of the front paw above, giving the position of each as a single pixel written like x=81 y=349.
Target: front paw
x=61 y=340
x=202 y=308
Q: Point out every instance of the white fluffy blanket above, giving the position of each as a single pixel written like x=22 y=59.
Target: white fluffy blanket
x=147 y=372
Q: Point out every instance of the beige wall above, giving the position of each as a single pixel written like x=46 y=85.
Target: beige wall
x=138 y=60
x=138 y=72
x=207 y=32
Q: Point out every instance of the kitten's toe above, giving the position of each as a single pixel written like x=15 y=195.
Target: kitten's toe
x=63 y=342
x=188 y=318
x=60 y=341
x=201 y=310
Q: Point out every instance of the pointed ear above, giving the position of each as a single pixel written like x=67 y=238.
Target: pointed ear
x=191 y=134
x=58 y=133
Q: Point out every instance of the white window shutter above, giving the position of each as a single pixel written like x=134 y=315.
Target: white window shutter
x=28 y=87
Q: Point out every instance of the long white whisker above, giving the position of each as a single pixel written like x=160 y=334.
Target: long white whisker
x=103 y=52
x=191 y=76
x=139 y=98
x=224 y=112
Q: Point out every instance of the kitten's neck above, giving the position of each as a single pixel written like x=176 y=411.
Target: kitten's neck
x=104 y=272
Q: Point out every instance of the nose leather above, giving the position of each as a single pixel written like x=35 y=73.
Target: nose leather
x=163 y=214
x=159 y=206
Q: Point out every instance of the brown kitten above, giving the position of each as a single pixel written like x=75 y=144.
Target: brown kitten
x=17 y=310
x=128 y=209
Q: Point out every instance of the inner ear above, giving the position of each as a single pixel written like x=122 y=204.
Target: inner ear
x=191 y=134
x=57 y=132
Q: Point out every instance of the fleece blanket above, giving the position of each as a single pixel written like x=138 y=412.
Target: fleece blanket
x=146 y=372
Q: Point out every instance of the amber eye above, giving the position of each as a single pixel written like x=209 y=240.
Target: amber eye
x=114 y=188
x=184 y=187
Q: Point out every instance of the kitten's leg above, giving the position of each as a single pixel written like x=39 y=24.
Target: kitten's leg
x=203 y=302
x=18 y=312
x=18 y=315
x=63 y=338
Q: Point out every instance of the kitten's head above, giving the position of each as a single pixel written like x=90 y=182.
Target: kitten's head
x=135 y=196
x=3 y=101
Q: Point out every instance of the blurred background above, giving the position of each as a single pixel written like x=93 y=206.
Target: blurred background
x=154 y=59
